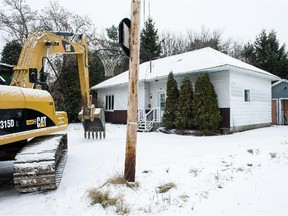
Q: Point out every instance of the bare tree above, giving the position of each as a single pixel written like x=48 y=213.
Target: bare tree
x=57 y=18
x=172 y=43
x=234 y=48
x=205 y=38
x=17 y=20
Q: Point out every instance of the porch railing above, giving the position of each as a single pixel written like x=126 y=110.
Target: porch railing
x=146 y=120
x=153 y=115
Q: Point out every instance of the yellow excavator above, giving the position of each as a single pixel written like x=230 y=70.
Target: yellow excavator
x=29 y=123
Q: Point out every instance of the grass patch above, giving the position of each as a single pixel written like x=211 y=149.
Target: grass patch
x=133 y=185
x=166 y=187
x=121 y=208
x=118 y=179
x=103 y=198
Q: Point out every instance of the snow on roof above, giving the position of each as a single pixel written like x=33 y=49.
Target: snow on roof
x=206 y=59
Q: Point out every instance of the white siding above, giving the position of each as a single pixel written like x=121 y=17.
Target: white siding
x=141 y=96
x=220 y=81
x=120 y=96
x=258 y=110
x=147 y=96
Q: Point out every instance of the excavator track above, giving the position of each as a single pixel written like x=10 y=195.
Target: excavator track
x=40 y=164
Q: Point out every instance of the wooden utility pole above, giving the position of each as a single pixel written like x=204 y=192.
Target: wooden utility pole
x=132 y=111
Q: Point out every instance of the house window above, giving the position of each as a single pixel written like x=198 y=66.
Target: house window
x=109 y=102
x=247 y=95
x=162 y=100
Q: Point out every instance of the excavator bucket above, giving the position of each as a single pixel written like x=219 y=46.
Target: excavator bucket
x=94 y=129
x=94 y=126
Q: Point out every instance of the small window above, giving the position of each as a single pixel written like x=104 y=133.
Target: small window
x=109 y=102
x=247 y=95
x=162 y=100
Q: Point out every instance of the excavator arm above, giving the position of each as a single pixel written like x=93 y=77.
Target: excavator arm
x=29 y=72
x=92 y=118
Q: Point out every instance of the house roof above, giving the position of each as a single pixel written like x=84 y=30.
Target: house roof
x=279 y=81
x=202 y=60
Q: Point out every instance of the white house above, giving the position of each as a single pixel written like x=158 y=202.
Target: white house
x=243 y=91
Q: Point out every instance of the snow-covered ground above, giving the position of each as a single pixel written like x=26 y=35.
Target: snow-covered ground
x=239 y=174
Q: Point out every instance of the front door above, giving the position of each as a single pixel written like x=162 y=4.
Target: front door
x=161 y=103
x=284 y=111
x=274 y=112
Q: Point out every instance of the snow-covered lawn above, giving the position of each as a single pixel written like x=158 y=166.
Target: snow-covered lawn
x=238 y=174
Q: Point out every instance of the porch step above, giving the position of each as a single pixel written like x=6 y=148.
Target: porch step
x=142 y=128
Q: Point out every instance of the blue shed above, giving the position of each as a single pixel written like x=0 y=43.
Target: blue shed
x=280 y=102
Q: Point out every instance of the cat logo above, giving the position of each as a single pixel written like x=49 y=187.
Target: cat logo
x=41 y=122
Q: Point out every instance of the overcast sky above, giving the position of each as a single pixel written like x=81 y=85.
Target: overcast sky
x=242 y=20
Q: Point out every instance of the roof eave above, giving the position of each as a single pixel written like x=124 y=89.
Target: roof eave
x=279 y=81
x=261 y=73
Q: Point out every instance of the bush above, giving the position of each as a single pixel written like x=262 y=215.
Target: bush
x=184 y=114
x=172 y=95
x=206 y=112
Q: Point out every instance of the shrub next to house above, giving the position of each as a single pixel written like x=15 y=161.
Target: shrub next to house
x=184 y=114
x=206 y=112
x=172 y=93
